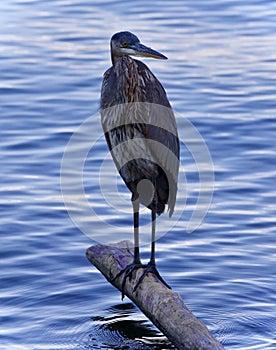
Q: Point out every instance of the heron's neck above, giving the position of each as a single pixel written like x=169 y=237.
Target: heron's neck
x=115 y=58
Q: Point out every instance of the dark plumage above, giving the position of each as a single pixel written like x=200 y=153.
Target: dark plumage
x=137 y=119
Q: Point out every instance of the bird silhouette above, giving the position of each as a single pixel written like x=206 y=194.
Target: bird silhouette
x=141 y=133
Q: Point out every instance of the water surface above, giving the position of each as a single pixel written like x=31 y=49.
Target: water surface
x=221 y=77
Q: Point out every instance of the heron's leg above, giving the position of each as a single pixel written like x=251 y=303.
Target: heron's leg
x=135 y=205
x=151 y=267
x=153 y=228
x=127 y=271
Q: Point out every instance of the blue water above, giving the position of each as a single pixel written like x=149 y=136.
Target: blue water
x=221 y=77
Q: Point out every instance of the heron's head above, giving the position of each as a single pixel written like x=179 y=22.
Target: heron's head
x=127 y=44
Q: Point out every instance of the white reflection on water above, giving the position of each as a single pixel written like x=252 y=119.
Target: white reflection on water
x=81 y=209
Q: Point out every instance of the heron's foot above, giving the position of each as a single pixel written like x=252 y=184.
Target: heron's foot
x=127 y=272
x=151 y=267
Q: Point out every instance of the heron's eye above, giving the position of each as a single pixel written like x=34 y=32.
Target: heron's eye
x=125 y=44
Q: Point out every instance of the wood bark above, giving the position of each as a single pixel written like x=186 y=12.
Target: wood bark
x=164 y=307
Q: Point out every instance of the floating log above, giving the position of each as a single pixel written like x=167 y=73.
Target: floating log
x=164 y=307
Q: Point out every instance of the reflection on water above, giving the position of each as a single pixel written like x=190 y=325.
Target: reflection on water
x=120 y=327
x=220 y=76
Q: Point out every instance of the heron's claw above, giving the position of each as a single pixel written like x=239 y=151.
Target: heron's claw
x=151 y=267
x=127 y=272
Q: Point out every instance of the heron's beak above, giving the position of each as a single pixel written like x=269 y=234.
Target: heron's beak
x=142 y=50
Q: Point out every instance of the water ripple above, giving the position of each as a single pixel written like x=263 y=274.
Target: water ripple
x=221 y=76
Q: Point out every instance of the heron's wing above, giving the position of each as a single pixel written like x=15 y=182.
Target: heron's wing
x=160 y=112
x=135 y=109
x=108 y=86
x=161 y=129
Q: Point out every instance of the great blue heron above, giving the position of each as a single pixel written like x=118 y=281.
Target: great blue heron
x=128 y=96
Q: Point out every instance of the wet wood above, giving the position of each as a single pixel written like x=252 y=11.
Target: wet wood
x=164 y=307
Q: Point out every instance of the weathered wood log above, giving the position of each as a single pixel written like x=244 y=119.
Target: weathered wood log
x=164 y=307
